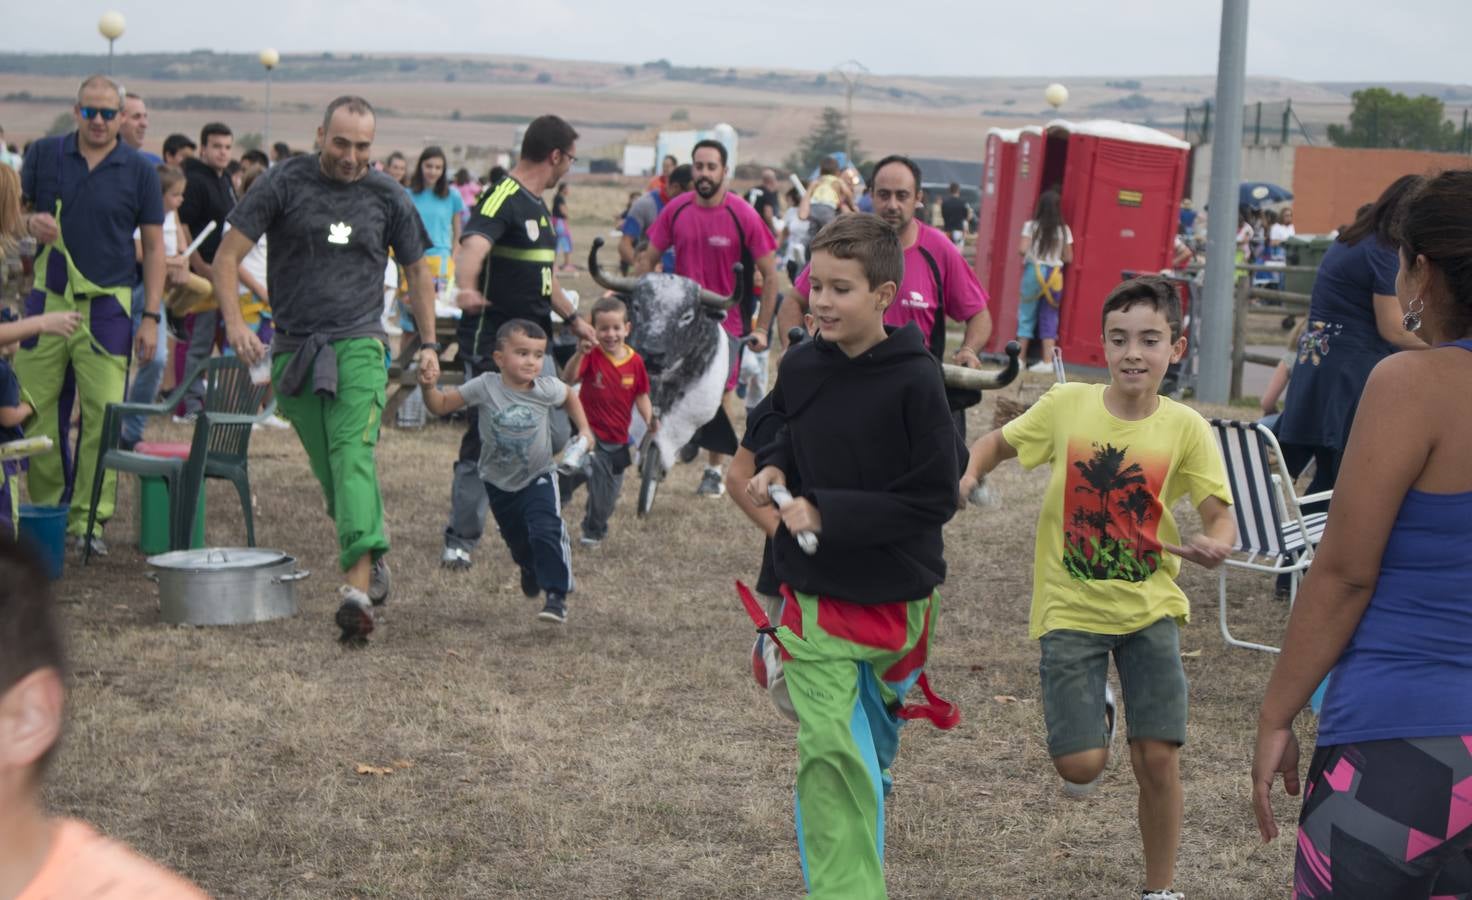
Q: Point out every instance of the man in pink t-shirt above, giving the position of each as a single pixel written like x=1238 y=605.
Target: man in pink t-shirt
x=938 y=283
x=712 y=229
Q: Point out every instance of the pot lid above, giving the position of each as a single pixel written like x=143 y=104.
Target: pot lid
x=218 y=559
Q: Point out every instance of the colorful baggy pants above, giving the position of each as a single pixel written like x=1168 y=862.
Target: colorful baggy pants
x=340 y=434
x=96 y=355
x=848 y=668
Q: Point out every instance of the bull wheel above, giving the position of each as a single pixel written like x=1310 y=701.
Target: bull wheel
x=651 y=473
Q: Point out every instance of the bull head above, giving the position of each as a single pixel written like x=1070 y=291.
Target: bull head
x=976 y=380
x=624 y=284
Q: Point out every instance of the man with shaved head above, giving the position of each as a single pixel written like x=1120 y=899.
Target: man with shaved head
x=330 y=220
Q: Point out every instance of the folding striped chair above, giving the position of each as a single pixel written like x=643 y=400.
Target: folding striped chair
x=1273 y=531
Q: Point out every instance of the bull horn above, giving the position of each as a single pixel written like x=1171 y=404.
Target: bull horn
x=618 y=283
x=977 y=380
x=716 y=301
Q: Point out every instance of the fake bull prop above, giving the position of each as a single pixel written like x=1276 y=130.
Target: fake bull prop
x=676 y=327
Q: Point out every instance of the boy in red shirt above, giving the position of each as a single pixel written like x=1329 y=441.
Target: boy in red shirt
x=614 y=383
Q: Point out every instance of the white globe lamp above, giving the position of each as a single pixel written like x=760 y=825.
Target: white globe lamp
x=111 y=26
x=1056 y=95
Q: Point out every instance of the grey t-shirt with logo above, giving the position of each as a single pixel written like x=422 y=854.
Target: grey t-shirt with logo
x=515 y=428
x=329 y=244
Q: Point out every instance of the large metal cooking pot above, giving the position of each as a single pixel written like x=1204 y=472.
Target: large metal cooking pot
x=225 y=585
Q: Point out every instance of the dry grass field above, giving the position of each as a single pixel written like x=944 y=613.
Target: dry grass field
x=626 y=755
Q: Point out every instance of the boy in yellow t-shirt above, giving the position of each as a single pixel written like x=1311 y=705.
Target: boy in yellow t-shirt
x=1107 y=554
x=46 y=858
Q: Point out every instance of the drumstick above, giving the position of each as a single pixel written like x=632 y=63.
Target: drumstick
x=194 y=244
x=805 y=539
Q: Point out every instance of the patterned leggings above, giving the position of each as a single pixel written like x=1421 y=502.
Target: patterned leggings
x=1387 y=819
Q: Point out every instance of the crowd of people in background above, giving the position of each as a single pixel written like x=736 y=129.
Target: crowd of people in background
x=207 y=250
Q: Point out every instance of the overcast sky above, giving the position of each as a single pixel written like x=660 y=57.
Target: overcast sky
x=1314 y=40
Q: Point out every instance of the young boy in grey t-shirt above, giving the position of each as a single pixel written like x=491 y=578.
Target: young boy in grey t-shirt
x=516 y=462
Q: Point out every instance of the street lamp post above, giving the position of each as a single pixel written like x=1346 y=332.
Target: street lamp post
x=269 y=58
x=850 y=71
x=111 y=26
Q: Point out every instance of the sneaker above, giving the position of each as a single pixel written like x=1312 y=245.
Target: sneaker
x=1111 y=726
x=711 y=483
x=275 y=421
x=554 y=611
x=354 y=616
x=186 y=419
x=1166 y=894
x=1040 y=366
x=688 y=452
x=455 y=559
x=589 y=542
x=380 y=582
x=529 y=584
x=99 y=547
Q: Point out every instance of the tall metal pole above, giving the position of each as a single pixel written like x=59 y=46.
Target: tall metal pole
x=849 y=71
x=1215 y=338
x=109 y=57
x=267 y=140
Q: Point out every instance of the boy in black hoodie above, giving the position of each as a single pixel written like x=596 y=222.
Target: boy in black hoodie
x=869 y=437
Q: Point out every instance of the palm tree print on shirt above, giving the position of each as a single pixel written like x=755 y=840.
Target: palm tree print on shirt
x=1111 y=513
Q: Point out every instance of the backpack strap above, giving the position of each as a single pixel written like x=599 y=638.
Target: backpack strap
x=937 y=341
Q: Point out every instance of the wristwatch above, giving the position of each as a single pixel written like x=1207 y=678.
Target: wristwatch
x=436 y=346
x=151 y=315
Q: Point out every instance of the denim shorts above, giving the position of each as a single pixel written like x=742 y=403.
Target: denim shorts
x=1074 y=667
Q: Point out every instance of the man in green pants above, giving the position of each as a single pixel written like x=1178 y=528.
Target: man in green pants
x=330 y=221
x=88 y=191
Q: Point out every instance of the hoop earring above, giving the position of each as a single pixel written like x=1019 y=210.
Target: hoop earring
x=1411 y=321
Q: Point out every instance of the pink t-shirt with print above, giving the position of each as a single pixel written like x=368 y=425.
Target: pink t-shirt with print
x=707 y=243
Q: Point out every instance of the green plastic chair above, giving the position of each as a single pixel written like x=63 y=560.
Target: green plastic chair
x=220 y=447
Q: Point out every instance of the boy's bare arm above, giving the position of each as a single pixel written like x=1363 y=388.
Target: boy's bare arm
x=646 y=411
x=1218 y=534
x=989 y=451
x=574 y=408
x=14 y=416
x=439 y=401
x=570 y=371
x=741 y=471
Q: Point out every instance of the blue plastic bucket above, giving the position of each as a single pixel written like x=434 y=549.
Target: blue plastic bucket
x=45 y=526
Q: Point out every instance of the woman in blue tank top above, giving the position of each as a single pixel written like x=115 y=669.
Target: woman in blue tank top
x=1387 y=809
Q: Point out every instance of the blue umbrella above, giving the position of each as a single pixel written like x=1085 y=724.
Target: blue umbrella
x=1257 y=194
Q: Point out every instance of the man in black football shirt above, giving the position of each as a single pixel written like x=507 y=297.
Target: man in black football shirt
x=503 y=269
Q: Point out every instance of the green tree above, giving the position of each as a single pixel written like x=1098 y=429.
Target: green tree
x=1103 y=474
x=1382 y=118
x=251 y=140
x=62 y=124
x=829 y=135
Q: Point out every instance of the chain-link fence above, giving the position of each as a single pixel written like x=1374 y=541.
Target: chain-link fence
x=1279 y=122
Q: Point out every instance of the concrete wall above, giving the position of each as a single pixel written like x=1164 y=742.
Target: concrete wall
x=1330 y=183
x=1273 y=164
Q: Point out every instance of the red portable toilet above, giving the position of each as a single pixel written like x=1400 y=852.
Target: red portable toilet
x=1018 y=199
x=996 y=261
x=1121 y=191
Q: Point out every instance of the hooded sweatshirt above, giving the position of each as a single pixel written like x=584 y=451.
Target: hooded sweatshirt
x=872 y=443
x=208 y=197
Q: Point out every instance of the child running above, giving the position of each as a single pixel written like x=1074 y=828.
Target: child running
x=870 y=440
x=1106 y=557
x=614 y=384
x=42 y=857
x=514 y=407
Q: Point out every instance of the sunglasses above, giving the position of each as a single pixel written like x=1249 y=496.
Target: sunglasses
x=91 y=112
